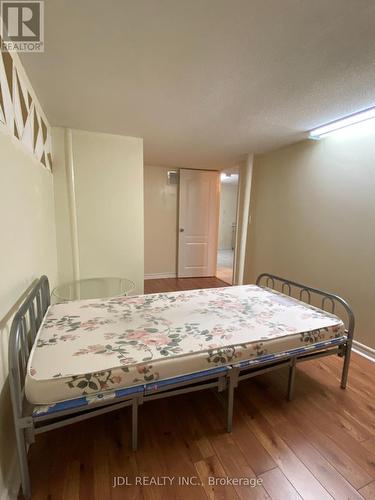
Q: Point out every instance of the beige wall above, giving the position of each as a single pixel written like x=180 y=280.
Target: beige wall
x=99 y=205
x=313 y=220
x=228 y=211
x=27 y=250
x=160 y=208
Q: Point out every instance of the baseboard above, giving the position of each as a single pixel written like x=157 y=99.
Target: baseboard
x=364 y=350
x=12 y=482
x=158 y=276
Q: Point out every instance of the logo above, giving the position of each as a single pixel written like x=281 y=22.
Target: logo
x=22 y=29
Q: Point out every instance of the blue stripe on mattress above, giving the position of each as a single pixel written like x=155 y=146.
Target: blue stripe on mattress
x=120 y=393
x=270 y=357
x=184 y=378
x=43 y=410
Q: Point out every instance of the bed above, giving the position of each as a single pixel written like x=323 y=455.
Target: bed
x=76 y=360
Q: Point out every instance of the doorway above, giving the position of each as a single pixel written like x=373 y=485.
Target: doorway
x=227 y=225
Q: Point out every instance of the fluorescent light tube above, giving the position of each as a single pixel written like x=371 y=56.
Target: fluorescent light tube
x=351 y=120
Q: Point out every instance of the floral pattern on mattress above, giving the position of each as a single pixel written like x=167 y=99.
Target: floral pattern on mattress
x=90 y=346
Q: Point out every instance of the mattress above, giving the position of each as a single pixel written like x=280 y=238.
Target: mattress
x=91 y=346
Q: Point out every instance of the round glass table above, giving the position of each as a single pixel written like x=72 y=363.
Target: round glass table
x=92 y=288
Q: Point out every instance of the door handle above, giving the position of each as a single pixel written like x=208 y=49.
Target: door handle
x=182 y=229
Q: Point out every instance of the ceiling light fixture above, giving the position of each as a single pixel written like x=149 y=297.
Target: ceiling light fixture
x=358 y=118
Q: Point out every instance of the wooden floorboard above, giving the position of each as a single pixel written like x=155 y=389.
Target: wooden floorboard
x=175 y=284
x=320 y=445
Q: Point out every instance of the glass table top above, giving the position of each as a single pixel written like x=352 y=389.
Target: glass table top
x=92 y=288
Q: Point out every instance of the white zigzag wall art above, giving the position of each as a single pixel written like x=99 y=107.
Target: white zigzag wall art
x=20 y=114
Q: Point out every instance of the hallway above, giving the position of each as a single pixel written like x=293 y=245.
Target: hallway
x=225 y=265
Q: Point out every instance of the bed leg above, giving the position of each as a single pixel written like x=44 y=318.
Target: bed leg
x=345 y=369
x=135 y=424
x=233 y=381
x=230 y=400
x=22 y=461
x=292 y=376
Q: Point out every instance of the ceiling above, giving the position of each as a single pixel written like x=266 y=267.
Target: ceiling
x=205 y=81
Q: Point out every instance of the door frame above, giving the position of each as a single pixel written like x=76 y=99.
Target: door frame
x=216 y=231
x=236 y=171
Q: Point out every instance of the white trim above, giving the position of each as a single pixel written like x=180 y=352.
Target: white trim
x=243 y=218
x=364 y=350
x=69 y=165
x=22 y=72
x=158 y=276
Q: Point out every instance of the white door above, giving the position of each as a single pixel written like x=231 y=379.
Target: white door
x=198 y=223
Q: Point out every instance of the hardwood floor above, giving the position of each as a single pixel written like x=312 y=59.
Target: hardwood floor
x=320 y=445
x=225 y=262
x=174 y=284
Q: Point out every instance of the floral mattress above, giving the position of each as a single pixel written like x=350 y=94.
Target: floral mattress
x=90 y=346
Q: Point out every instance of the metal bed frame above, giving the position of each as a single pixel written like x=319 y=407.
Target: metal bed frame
x=29 y=317
x=342 y=347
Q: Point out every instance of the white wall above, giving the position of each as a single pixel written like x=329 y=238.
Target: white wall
x=228 y=213
x=27 y=250
x=62 y=195
x=161 y=210
x=313 y=220
x=99 y=205
x=243 y=218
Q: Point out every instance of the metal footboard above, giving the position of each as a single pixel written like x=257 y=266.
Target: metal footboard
x=324 y=300
x=342 y=346
x=25 y=325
